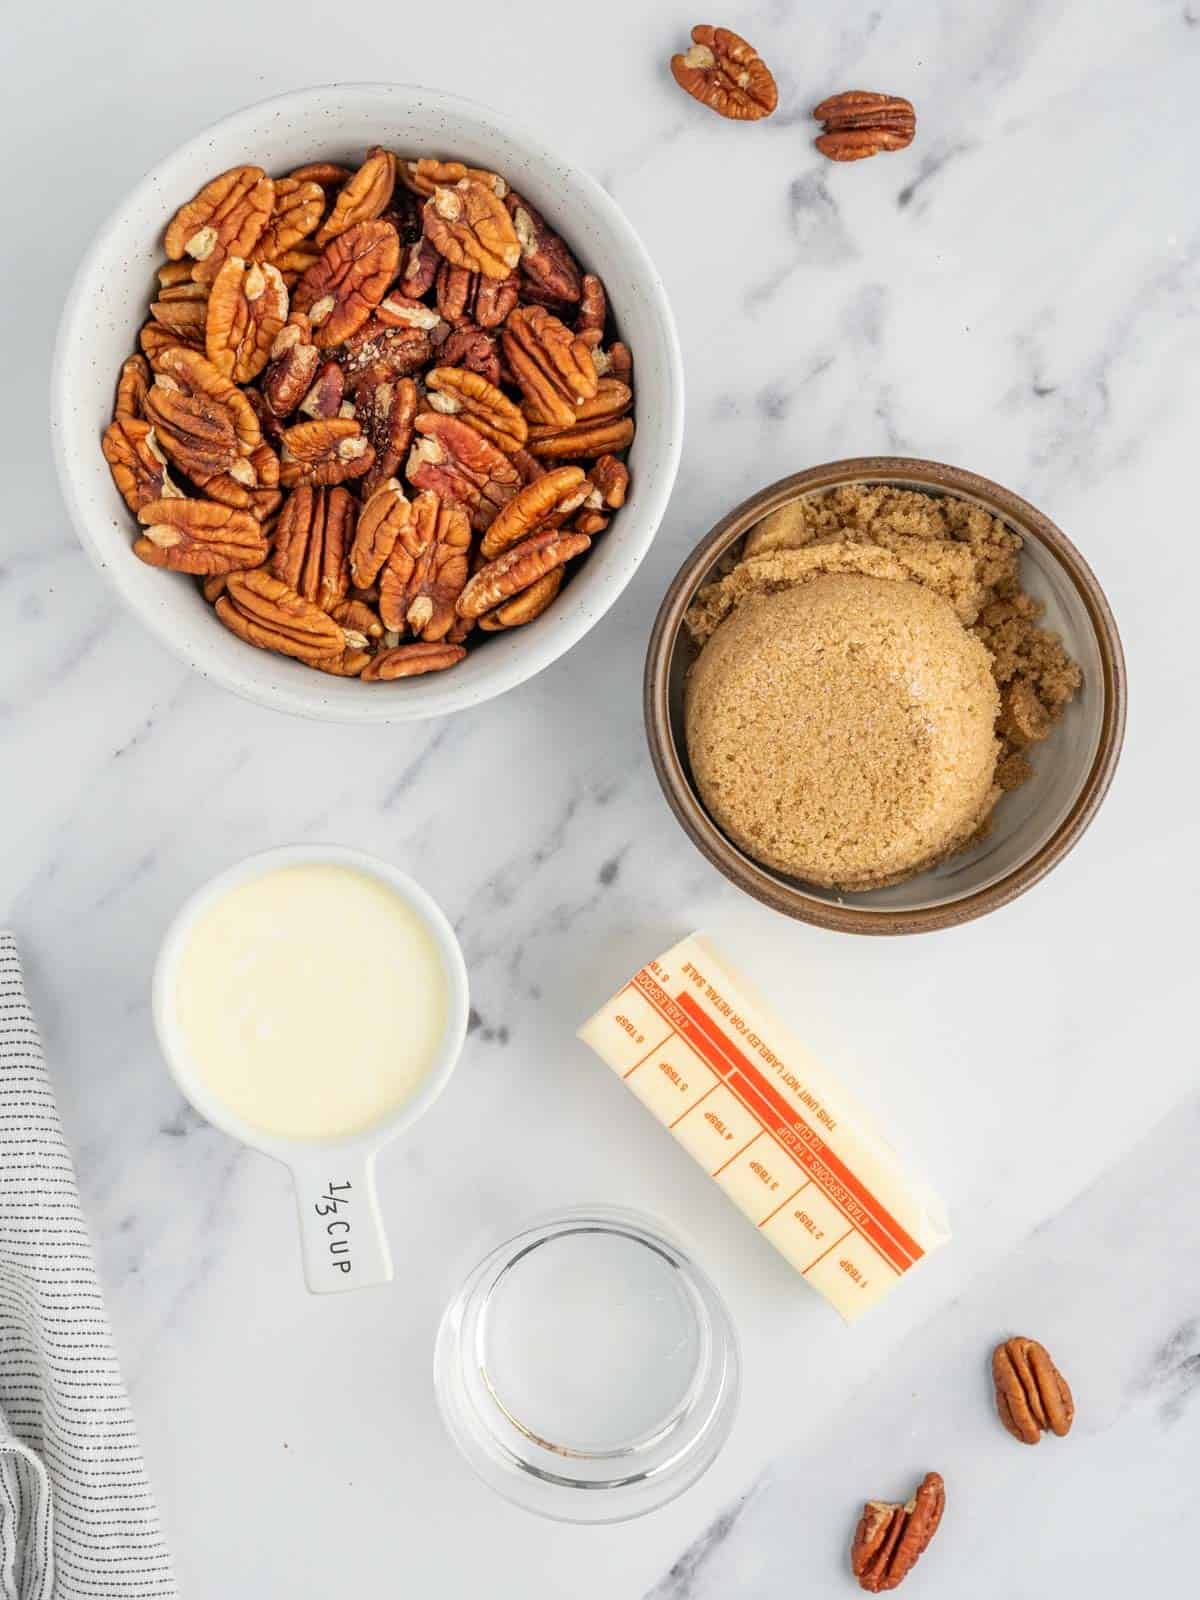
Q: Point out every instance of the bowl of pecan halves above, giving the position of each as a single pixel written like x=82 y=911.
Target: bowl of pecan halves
x=368 y=404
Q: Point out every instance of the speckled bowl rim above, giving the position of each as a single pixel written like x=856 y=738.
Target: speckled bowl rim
x=792 y=900
x=626 y=543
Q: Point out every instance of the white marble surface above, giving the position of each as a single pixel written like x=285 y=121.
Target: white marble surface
x=1016 y=294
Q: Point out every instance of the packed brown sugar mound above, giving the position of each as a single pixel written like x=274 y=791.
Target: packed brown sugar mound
x=871 y=674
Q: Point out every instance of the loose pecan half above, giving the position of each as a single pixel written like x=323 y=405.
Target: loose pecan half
x=419 y=268
x=468 y=225
x=132 y=387
x=261 y=609
x=203 y=421
x=382 y=519
x=294 y=263
x=424 y=176
x=725 y=73
x=293 y=364
x=455 y=461
x=183 y=315
x=312 y=542
x=890 y=1538
x=155 y=340
x=246 y=310
x=348 y=280
x=379 y=354
x=1032 y=1396
x=226 y=218
x=610 y=483
x=553 y=496
x=299 y=205
x=426 y=570
x=412 y=661
x=387 y=413
x=364 y=197
x=331 y=451
x=551 y=365
x=456 y=392
x=137 y=464
x=526 y=606
x=326 y=173
x=470 y=347
x=199 y=536
x=859 y=123
x=593 y=308
x=599 y=428
x=403 y=311
x=517 y=569
x=545 y=259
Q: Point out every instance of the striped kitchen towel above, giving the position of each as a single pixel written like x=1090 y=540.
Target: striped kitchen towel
x=76 y=1514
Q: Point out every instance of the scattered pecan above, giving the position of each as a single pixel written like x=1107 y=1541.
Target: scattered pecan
x=725 y=73
x=545 y=259
x=517 y=569
x=551 y=497
x=202 y=421
x=261 y=609
x=470 y=347
x=137 y=464
x=403 y=311
x=330 y=451
x=132 y=387
x=454 y=460
x=362 y=626
x=382 y=519
x=526 y=606
x=590 y=522
x=296 y=213
x=312 y=543
x=610 y=483
x=890 y=1538
x=620 y=362
x=380 y=354
x=293 y=364
x=464 y=296
x=1032 y=1396
x=226 y=218
x=551 y=365
x=419 y=268
x=424 y=176
x=426 y=570
x=456 y=392
x=198 y=536
x=600 y=427
x=387 y=413
x=325 y=397
x=349 y=279
x=593 y=308
x=155 y=340
x=245 y=311
x=184 y=316
x=364 y=197
x=412 y=661
x=328 y=174
x=468 y=225
x=175 y=274
x=859 y=124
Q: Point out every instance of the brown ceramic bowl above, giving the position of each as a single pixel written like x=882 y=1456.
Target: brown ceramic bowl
x=1033 y=827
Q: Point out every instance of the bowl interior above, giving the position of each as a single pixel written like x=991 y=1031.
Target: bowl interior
x=1024 y=820
x=108 y=304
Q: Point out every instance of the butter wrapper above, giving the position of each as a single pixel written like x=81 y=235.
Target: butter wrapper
x=707 y=1057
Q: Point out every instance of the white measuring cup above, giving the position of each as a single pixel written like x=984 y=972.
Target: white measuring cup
x=341 y=1231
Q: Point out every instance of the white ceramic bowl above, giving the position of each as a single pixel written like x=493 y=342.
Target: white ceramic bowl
x=107 y=305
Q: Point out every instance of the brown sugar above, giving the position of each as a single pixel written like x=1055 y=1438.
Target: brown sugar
x=823 y=726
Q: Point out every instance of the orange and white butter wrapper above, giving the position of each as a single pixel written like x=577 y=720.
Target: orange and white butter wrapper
x=707 y=1057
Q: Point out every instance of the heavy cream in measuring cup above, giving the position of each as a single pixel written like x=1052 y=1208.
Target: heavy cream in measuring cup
x=312 y=1001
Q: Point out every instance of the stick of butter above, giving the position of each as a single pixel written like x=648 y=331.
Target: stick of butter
x=765 y=1121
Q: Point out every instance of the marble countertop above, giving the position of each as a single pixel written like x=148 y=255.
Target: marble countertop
x=1017 y=294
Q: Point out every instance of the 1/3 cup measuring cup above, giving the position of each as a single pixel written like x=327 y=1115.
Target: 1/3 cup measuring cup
x=342 y=1237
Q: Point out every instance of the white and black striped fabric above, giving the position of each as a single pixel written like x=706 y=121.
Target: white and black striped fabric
x=76 y=1515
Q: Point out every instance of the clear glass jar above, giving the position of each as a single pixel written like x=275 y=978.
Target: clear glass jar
x=588 y=1369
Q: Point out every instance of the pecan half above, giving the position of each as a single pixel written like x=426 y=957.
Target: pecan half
x=137 y=464
x=380 y=354
x=424 y=176
x=526 y=606
x=226 y=218
x=362 y=625
x=1032 y=1396
x=545 y=259
x=326 y=173
x=464 y=296
x=468 y=225
x=387 y=413
x=890 y=1538
x=403 y=311
x=331 y=451
x=294 y=263
x=419 y=268
x=610 y=483
x=364 y=197
x=593 y=308
x=132 y=387
x=312 y=542
x=348 y=280
x=456 y=392
x=551 y=365
x=620 y=362
x=426 y=570
x=726 y=74
x=261 y=609
x=203 y=421
x=599 y=428
x=554 y=495
x=384 y=517
x=182 y=315
x=858 y=124
x=199 y=536
x=296 y=213
x=517 y=569
x=246 y=310
x=454 y=461
x=412 y=661
x=293 y=364
x=325 y=397
x=470 y=347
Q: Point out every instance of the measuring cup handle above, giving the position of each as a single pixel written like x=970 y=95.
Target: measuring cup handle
x=341 y=1231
